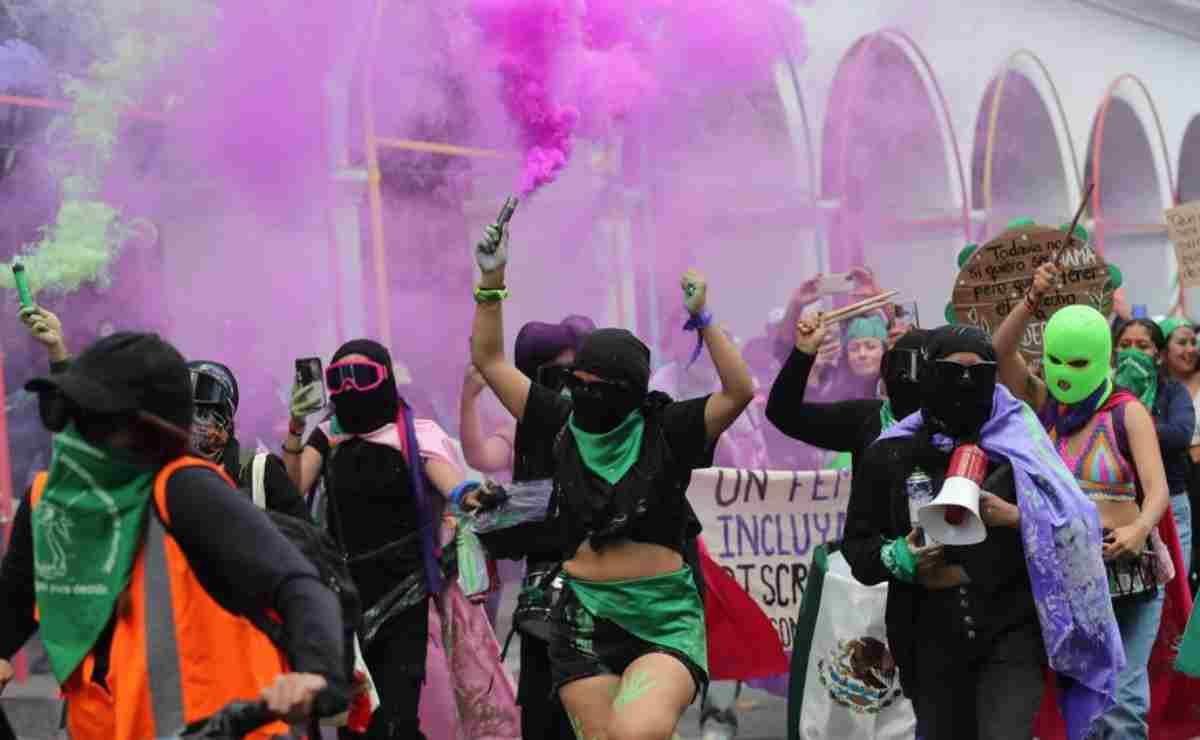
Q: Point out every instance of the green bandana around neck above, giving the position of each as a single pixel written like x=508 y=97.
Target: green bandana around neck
x=1137 y=373
x=611 y=454
x=870 y=327
x=87 y=529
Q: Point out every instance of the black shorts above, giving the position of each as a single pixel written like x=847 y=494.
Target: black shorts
x=582 y=646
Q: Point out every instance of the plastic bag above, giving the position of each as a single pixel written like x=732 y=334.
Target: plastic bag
x=526 y=502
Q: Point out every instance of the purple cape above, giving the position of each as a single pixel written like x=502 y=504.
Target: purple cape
x=1060 y=531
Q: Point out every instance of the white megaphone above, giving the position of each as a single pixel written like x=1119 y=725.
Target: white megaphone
x=953 y=517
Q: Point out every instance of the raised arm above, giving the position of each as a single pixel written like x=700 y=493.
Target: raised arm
x=737 y=385
x=485 y=454
x=1014 y=373
x=487 y=333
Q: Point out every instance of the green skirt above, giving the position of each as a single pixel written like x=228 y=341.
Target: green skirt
x=663 y=610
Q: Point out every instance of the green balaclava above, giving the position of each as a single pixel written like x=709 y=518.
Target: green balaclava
x=1074 y=336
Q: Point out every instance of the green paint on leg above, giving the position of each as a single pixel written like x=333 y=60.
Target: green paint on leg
x=633 y=687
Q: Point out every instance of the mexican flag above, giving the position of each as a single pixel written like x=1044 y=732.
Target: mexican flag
x=844 y=682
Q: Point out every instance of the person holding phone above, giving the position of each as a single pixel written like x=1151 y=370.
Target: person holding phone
x=628 y=649
x=970 y=626
x=382 y=468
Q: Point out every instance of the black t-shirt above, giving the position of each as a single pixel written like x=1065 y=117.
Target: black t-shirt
x=668 y=516
x=281 y=494
x=236 y=554
x=371 y=504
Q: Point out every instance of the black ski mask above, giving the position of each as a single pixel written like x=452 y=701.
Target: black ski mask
x=957 y=399
x=901 y=373
x=360 y=412
x=623 y=360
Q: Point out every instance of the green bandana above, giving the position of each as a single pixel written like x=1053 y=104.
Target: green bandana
x=870 y=327
x=1137 y=373
x=1169 y=326
x=610 y=455
x=86 y=532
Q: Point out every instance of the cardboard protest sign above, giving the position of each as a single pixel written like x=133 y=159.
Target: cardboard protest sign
x=763 y=526
x=1183 y=228
x=999 y=273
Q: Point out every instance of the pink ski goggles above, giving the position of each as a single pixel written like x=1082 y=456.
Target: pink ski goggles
x=359 y=375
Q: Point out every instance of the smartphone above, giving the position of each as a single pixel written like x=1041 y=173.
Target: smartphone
x=309 y=371
x=840 y=282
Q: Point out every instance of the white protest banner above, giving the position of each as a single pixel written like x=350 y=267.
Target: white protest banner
x=762 y=528
x=1183 y=228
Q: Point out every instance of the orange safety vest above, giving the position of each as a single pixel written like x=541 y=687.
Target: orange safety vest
x=176 y=656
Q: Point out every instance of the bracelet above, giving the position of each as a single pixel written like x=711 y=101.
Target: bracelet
x=697 y=323
x=461 y=490
x=483 y=295
x=290 y=451
x=1031 y=303
x=296 y=428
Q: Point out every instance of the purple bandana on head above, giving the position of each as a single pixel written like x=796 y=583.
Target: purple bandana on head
x=1060 y=531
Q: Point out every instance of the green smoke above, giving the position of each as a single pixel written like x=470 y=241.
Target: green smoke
x=129 y=43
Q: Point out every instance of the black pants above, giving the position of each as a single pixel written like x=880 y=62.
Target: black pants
x=396 y=659
x=993 y=695
x=542 y=714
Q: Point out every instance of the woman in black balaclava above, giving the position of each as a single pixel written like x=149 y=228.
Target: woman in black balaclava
x=381 y=512
x=846 y=426
x=628 y=651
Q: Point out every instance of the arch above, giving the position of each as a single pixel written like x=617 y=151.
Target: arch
x=887 y=120
x=1189 y=163
x=1128 y=162
x=1022 y=117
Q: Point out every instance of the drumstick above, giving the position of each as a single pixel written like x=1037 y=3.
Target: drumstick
x=1075 y=222
x=857 y=309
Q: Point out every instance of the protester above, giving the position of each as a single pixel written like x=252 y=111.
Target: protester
x=628 y=653
x=542 y=352
x=110 y=581
x=381 y=513
x=846 y=426
x=1180 y=364
x=969 y=626
x=1109 y=442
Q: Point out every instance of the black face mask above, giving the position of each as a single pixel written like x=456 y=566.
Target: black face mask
x=360 y=412
x=600 y=407
x=957 y=399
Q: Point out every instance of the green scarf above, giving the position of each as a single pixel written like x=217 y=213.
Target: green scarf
x=1137 y=373
x=611 y=454
x=886 y=417
x=87 y=529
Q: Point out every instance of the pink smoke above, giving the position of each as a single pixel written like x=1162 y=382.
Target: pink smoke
x=569 y=67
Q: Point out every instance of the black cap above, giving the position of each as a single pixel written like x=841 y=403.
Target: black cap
x=126 y=372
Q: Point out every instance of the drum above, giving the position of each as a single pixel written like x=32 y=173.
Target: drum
x=540 y=592
x=1134 y=579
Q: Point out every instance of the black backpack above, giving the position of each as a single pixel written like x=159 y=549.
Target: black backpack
x=320 y=550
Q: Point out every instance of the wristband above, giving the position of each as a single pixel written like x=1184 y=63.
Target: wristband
x=461 y=490
x=483 y=295
x=697 y=322
x=290 y=451
x=899 y=560
x=1031 y=303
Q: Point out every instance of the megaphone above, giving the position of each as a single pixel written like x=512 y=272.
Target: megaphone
x=953 y=517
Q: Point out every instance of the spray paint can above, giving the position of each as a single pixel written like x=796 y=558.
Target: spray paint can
x=919 y=487
x=22 y=285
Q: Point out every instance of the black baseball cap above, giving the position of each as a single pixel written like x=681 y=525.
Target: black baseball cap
x=126 y=372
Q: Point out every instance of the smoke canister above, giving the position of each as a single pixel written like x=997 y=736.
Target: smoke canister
x=970 y=462
x=22 y=285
